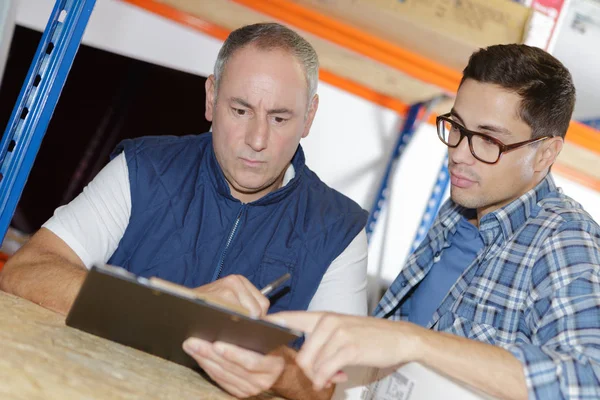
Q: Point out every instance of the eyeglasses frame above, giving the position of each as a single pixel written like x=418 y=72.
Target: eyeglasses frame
x=504 y=148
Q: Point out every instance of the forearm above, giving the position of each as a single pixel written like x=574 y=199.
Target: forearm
x=488 y=368
x=48 y=280
x=293 y=384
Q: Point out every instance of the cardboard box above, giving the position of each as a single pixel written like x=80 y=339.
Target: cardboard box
x=544 y=23
x=412 y=381
x=447 y=31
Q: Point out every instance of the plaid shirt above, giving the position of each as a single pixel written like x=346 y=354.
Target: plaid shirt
x=534 y=289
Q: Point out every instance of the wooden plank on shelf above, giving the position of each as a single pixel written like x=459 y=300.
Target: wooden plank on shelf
x=575 y=175
x=447 y=32
x=374 y=79
x=336 y=59
x=580 y=160
x=358 y=40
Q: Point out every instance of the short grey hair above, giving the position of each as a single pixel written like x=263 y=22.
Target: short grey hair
x=270 y=36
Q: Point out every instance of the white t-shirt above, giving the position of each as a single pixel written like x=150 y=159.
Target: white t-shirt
x=95 y=221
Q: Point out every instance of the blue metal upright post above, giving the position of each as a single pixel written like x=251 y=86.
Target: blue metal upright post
x=594 y=123
x=37 y=100
x=433 y=205
x=408 y=129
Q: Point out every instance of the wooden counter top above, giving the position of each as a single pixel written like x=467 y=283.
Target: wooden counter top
x=42 y=358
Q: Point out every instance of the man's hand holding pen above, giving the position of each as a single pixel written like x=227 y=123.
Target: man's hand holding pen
x=238 y=291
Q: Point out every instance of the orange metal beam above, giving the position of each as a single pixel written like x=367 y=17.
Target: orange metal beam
x=221 y=33
x=182 y=18
x=363 y=91
x=387 y=53
x=584 y=136
x=579 y=134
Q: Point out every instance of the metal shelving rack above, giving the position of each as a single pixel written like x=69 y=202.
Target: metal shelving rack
x=61 y=39
x=37 y=100
x=370 y=46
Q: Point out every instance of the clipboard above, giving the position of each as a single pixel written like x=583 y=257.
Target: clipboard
x=157 y=316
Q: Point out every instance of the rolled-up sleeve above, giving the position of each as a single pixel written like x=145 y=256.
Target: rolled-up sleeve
x=561 y=355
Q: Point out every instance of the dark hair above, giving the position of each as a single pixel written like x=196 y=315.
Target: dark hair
x=544 y=84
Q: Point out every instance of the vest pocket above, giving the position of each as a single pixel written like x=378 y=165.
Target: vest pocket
x=272 y=267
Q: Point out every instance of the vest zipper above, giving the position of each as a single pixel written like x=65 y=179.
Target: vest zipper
x=229 y=240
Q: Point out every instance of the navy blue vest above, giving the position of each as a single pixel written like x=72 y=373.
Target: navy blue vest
x=186 y=227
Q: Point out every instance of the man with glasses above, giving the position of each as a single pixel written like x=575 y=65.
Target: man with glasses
x=504 y=292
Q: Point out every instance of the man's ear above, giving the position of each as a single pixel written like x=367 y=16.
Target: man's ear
x=313 y=106
x=548 y=152
x=209 y=87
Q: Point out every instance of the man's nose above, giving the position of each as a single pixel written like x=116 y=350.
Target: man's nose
x=461 y=154
x=257 y=135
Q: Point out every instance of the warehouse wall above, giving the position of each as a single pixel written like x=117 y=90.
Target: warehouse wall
x=349 y=142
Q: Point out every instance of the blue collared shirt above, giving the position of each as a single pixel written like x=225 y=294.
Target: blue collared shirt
x=465 y=243
x=533 y=290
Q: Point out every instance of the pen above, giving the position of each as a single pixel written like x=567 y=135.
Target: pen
x=275 y=284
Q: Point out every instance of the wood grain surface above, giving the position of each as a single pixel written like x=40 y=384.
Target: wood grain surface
x=42 y=358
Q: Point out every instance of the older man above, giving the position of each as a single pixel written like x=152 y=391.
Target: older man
x=225 y=212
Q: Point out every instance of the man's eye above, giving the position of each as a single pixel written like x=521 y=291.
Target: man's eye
x=239 y=111
x=279 y=120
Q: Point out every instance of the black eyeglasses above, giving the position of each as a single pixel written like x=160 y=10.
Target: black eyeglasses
x=483 y=147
